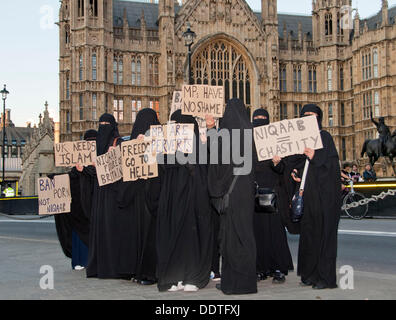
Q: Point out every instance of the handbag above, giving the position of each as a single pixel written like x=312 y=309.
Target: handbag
x=221 y=204
x=297 y=205
x=265 y=200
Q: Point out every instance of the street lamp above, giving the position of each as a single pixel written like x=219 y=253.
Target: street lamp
x=4 y=94
x=189 y=37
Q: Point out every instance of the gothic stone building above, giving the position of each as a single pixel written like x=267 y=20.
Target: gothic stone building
x=120 y=56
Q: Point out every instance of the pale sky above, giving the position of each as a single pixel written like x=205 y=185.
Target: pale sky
x=29 y=51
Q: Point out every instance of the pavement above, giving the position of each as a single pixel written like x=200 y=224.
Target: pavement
x=367 y=246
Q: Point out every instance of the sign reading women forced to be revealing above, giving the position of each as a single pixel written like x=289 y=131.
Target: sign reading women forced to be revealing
x=138 y=161
x=287 y=137
x=109 y=167
x=54 y=195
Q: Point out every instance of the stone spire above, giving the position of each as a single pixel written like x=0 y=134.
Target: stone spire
x=384 y=10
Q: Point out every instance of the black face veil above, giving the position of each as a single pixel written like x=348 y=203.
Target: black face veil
x=261 y=122
x=313 y=108
x=144 y=120
x=106 y=133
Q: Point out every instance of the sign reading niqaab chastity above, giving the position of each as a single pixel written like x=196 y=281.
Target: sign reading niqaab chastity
x=54 y=195
x=172 y=137
x=109 y=166
x=287 y=137
x=201 y=100
x=69 y=154
x=138 y=161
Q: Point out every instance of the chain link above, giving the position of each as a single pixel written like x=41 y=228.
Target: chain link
x=366 y=201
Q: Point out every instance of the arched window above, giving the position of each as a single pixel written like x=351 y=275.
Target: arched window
x=221 y=64
x=329 y=78
x=80 y=73
x=94 y=67
x=328 y=24
x=80 y=8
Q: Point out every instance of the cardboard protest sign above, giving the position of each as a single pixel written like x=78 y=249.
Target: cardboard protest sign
x=176 y=102
x=138 y=161
x=201 y=100
x=54 y=196
x=109 y=167
x=69 y=154
x=287 y=137
x=172 y=137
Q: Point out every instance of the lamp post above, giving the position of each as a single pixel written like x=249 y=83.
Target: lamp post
x=4 y=94
x=189 y=37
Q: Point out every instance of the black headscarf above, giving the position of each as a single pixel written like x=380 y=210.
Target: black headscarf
x=106 y=133
x=145 y=118
x=235 y=117
x=261 y=122
x=90 y=135
x=313 y=108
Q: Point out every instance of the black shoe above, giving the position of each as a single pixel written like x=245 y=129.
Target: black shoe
x=147 y=282
x=306 y=283
x=218 y=286
x=279 y=278
x=261 y=276
x=321 y=285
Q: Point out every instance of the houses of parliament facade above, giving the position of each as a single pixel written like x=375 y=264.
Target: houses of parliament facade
x=120 y=56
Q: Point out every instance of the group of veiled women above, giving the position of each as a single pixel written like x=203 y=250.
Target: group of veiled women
x=166 y=231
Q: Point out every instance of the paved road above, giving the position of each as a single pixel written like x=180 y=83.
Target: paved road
x=368 y=246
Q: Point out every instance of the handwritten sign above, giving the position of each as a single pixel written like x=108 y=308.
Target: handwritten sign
x=54 y=196
x=201 y=100
x=138 y=161
x=109 y=167
x=69 y=154
x=176 y=102
x=172 y=137
x=287 y=137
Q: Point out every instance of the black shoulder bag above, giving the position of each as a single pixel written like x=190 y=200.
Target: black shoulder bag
x=221 y=204
x=265 y=200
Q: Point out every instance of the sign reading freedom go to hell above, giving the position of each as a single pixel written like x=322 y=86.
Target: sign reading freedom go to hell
x=201 y=100
x=54 y=195
x=138 y=162
x=287 y=137
x=69 y=154
x=109 y=167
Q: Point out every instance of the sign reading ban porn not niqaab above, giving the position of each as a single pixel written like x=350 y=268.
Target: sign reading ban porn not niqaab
x=54 y=195
x=109 y=167
x=287 y=137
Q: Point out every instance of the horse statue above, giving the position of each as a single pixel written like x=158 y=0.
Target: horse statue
x=373 y=149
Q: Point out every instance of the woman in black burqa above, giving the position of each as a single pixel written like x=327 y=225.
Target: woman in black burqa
x=138 y=205
x=105 y=226
x=237 y=242
x=273 y=253
x=73 y=228
x=322 y=209
x=184 y=234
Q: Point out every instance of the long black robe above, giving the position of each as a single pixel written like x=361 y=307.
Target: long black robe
x=138 y=205
x=273 y=251
x=184 y=234
x=75 y=220
x=322 y=209
x=105 y=224
x=237 y=242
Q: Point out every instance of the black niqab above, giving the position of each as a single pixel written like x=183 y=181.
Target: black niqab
x=313 y=108
x=144 y=120
x=261 y=122
x=106 y=133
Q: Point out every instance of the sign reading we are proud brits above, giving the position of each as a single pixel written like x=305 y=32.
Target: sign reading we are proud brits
x=54 y=196
x=138 y=162
x=287 y=137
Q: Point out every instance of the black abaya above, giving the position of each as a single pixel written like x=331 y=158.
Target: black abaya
x=184 y=234
x=237 y=242
x=105 y=224
x=322 y=208
x=138 y=205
